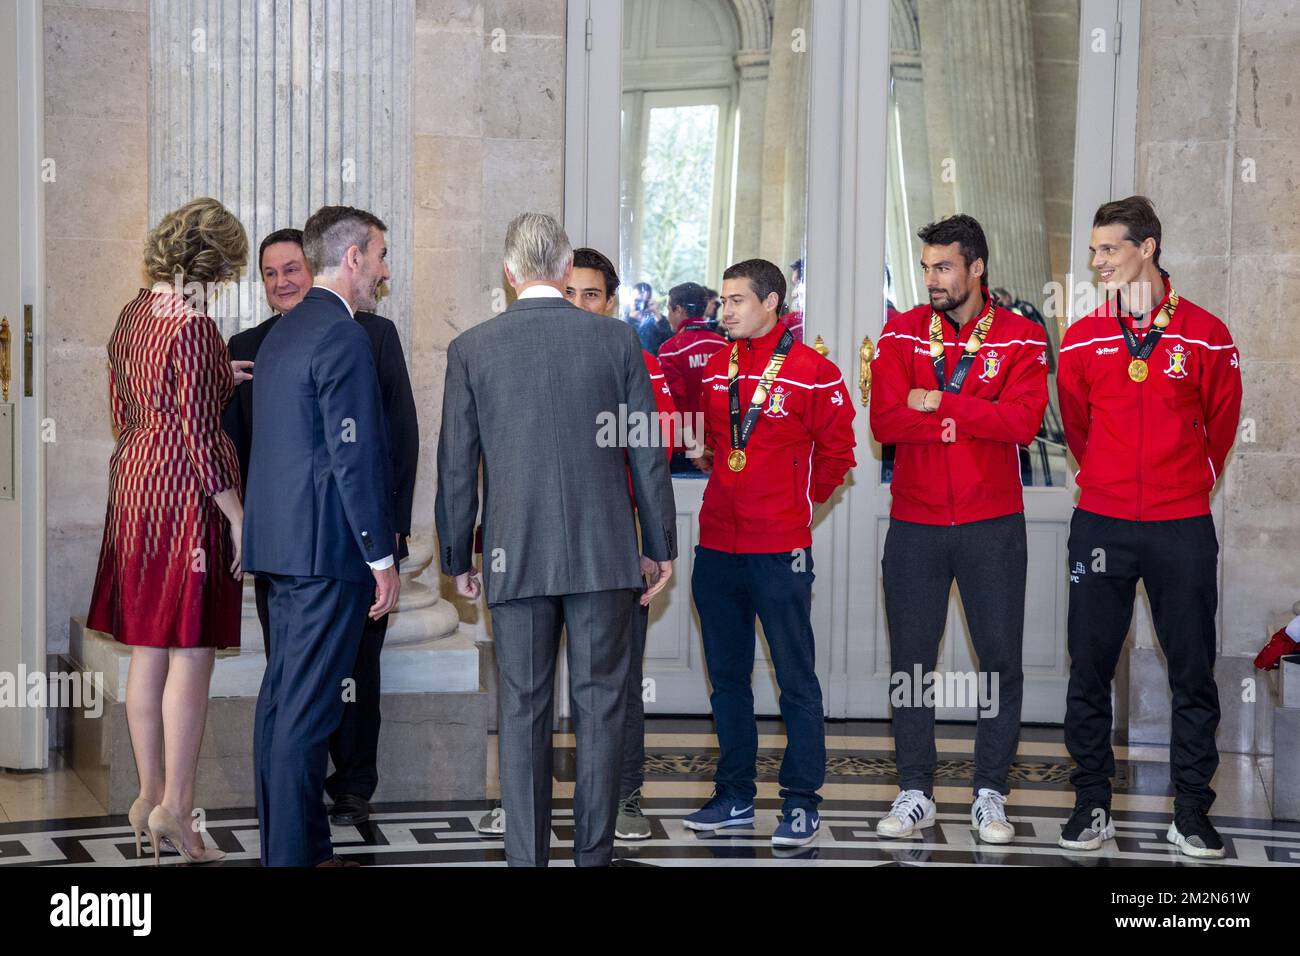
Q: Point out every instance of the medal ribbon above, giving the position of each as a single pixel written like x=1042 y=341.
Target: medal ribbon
x=740 y=430
x=973 y=345
x=1142 y=350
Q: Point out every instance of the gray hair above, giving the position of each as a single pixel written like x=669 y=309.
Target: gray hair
x=537 y=248
x=332 y=231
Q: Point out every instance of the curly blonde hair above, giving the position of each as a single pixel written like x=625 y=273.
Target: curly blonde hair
x=203 y=241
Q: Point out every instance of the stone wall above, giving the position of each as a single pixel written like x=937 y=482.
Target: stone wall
x=1218 y=130
x=488 y=123
x=488 y=119
x=1218 y=133
x=96 y=211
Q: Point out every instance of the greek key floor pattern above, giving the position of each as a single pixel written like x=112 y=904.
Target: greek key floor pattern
x=680 y=756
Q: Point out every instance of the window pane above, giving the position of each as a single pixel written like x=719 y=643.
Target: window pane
x=678 y=179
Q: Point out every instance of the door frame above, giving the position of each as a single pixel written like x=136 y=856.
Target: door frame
x=24 y=730
x=846 y=225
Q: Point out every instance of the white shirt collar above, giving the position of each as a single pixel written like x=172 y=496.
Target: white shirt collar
x=541 y=292
x=340 y=298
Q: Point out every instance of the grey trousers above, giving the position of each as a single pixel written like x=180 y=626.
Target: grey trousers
x=988 y=559
x=526 y=633
x=632 y=777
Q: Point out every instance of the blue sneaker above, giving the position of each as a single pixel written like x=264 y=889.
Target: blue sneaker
x=797 y=828
x=721 y=812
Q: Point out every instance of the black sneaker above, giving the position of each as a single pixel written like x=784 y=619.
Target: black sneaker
x=349 y=810
x=1194 y=834
x=1088 y=827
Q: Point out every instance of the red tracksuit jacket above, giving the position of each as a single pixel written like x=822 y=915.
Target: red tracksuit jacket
x=960 y=463
x=798 y=453
x=663 y=401
x=1151 y=450
x=683 y=358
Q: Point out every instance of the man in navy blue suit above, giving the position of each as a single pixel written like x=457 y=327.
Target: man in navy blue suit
x=318 y=523
x=287 y=278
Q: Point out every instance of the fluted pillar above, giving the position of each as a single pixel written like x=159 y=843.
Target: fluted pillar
x=978 y=62
x=277 y=107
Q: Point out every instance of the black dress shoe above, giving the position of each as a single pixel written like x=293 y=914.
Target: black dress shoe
x=349 y=810
x=337 y=861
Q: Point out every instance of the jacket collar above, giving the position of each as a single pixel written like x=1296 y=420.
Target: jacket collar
x=320 y=294
x=541 y=302
x=767 y=343
x=1113 y=310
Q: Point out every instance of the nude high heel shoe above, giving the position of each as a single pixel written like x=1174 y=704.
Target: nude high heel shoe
x=139 y=817
x=163 y=826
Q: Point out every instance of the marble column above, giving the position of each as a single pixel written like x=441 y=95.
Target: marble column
x=277 y=107
x=752 y=67
x=981 y=113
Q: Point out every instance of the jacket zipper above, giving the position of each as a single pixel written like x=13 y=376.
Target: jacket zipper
x=947 y=461
x=1140 y=443
x=735 y=517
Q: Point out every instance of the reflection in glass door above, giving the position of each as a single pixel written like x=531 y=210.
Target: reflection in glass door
x=713 y=137
x=982 y=121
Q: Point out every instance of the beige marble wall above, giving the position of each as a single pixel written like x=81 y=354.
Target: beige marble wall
x=488 y=120
x=96 y=131
x=488 y=124
x=1219 y=92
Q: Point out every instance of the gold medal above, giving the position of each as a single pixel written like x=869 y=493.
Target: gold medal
x=736 y=460
x=1137 y=370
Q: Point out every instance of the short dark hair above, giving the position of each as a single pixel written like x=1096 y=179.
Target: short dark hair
x=797 y=266
x=588 y=258
x=961 y=229
x=691 y=296
x=280 y=235
x=644 y=287
x=332 y=230
x=1137 y=214
x=763 y=276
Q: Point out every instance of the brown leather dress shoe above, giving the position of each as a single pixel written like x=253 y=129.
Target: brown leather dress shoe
x=337 y=860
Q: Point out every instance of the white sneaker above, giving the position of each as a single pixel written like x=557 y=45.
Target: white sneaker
x=911 y=810
x=989 y=816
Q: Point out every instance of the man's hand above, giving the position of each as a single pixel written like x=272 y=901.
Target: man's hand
x=658 y=572
x=387 y=586
x=242 y=370
x=468 y=585
x=705 y=461
x=924 y=399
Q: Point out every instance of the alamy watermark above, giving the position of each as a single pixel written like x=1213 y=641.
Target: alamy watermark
x=978 y=689
x=82 y=690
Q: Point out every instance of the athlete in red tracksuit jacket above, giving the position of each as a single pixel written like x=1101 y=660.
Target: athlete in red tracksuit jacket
x=754 y=555
x=958 y=511
x=1150 y=388
x=683 y=358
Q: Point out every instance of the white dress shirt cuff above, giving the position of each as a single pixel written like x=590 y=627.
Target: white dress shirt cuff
x=382 y=564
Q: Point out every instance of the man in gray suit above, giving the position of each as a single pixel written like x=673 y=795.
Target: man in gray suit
x=531 y=394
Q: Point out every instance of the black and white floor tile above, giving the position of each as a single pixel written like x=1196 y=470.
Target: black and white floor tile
x=860 y=784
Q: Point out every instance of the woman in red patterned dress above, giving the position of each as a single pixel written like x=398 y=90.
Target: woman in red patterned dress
x=168 y=582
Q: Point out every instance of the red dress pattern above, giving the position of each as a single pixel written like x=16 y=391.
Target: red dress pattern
x=163 y=578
